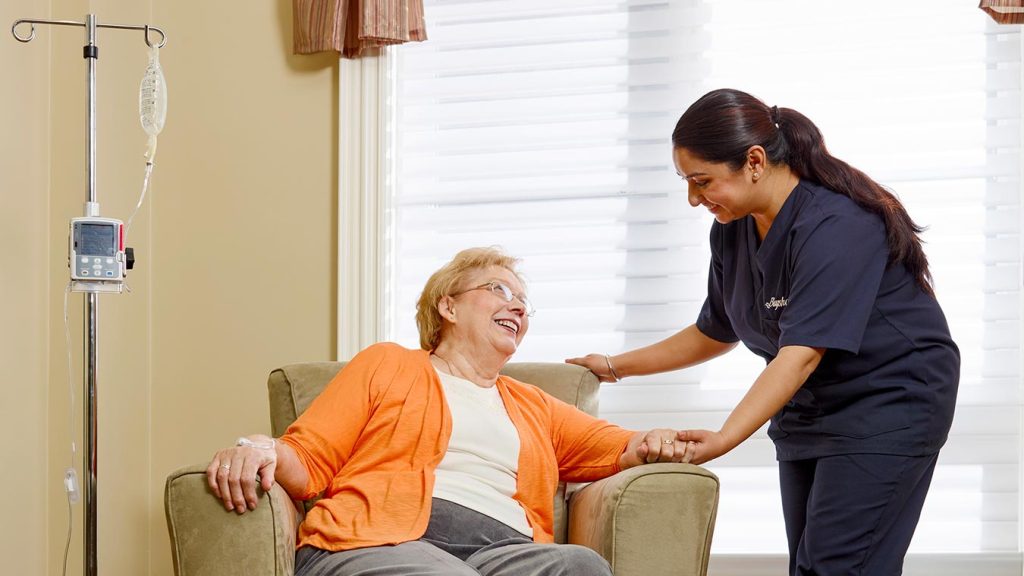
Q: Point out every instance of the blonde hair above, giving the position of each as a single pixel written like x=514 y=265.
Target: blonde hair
x=447 y=280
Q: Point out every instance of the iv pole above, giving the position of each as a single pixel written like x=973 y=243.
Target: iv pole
x=90 y=52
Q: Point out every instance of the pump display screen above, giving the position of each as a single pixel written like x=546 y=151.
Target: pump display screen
x=97 y=239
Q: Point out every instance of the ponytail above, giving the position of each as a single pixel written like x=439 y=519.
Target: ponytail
x=723 y=124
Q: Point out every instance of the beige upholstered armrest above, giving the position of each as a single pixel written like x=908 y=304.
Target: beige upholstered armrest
x=207 y=540
x=651 y=519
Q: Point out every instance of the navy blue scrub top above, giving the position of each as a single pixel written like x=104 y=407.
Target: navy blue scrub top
x=888 y=380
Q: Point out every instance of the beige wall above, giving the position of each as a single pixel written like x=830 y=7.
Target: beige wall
x=24 y=291
x=235 y=248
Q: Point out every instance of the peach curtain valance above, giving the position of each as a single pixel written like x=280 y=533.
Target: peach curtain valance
x=1004 y=11
x=350 y=26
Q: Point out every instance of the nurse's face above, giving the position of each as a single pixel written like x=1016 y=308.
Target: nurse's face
x=726 y=193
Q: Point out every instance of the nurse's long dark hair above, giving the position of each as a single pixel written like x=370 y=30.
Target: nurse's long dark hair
x=723 y=124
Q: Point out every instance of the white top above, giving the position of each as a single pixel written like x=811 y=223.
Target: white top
x=479 y=469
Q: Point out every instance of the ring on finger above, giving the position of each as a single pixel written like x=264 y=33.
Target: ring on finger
x=226 y=467
x=666 y=441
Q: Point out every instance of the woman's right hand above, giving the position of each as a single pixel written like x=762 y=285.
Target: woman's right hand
x=596 y=363
x=233 y=472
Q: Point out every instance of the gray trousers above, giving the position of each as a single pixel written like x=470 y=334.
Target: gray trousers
x=458 y=542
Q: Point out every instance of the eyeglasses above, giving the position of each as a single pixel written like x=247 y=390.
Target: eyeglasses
x=504 y=292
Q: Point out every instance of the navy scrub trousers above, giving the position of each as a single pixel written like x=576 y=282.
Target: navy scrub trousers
x=852 y=514
x=858 y=442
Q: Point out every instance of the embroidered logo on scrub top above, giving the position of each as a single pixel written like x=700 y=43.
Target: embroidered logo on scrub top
x=776 y=303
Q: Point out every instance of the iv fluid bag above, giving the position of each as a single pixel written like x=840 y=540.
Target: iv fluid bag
x=153 y=100
x=153 y=96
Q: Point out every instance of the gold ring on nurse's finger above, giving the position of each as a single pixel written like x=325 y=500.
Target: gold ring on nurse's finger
x=667 y=441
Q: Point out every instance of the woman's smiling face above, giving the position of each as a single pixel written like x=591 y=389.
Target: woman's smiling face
x=488 y=318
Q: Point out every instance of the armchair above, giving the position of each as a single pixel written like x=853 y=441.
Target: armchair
x=652 y=520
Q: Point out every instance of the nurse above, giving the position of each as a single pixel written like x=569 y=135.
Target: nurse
x=819 y=270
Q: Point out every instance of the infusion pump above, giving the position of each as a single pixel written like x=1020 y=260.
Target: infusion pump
x=96 y=250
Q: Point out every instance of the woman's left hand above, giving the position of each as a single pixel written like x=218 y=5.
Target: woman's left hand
x=707 y=445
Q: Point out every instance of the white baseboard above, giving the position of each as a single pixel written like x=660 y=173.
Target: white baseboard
x=988 y=564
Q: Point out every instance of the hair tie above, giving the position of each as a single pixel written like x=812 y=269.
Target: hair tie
x=774 y=112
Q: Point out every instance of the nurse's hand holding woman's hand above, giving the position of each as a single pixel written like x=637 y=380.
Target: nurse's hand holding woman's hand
x=657 y=445
x=707 y=445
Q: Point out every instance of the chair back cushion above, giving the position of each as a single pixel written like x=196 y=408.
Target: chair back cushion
x=293 y=388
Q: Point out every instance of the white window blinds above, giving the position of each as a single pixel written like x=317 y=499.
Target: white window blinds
x=544 y=127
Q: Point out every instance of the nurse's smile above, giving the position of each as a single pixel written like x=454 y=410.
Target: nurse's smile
x=755 y=188
x=706 y=180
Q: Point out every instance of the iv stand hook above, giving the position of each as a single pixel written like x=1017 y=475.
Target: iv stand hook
x=146 y=28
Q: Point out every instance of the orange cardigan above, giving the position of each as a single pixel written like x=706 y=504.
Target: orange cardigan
x=373 y=438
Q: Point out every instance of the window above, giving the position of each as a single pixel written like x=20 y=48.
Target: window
x=544 y=127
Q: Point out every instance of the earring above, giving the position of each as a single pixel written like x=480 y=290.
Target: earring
x=756 y=175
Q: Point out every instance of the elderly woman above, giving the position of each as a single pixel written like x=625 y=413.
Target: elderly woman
x=433 y=462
